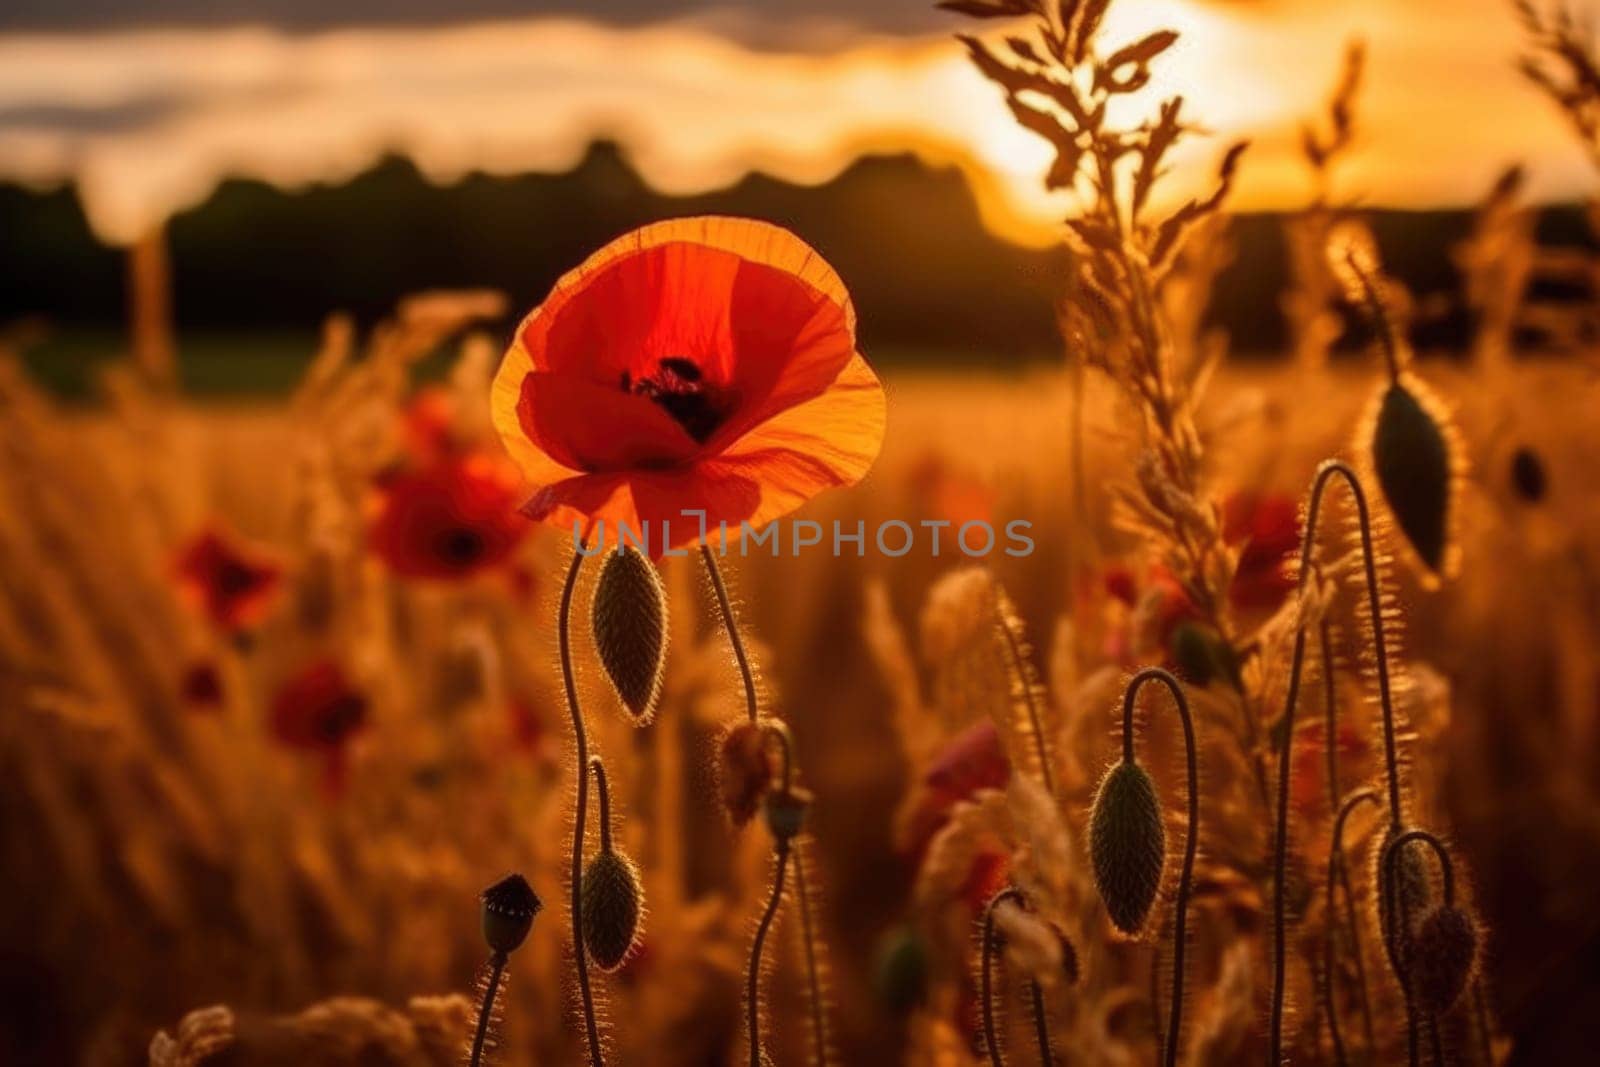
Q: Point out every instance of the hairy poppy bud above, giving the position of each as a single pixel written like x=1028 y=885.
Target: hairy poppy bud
x=786 y=810
x=1411 y=456
x=1412 y=889
x=508 y=910
x=1442 y=955
x=1127 y=844
x=611 y=905
x=744 y=770
x=630 y=629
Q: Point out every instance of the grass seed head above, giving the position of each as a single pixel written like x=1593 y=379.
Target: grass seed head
x=1443 y=953
x=630 y=629
x=1127 y=845
x=612 y=902
x=508 y=910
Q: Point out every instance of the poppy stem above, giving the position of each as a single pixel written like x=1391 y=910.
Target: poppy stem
x=497 y=966
x=581 y=748
x=780 y=850
x=1041 y=1027
x=1191 y=836
x=1389 y=872
x=732 y=626
x=604 y=793
x=819 y=1021
x=1325 y=473
x=1029 y=696
x=1336 y=878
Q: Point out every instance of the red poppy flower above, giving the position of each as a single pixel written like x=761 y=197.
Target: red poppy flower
x=318 y=711
x=1268 y=524
x=450 y=519
x=229 y=582
x=703 y=363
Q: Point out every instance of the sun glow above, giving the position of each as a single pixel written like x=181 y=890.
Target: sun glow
x=147 y=124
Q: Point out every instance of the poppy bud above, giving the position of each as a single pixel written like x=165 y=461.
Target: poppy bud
x=508 y=910
x=1411 y=456
x=630 y=629
x=1201 y=655
x=1412 y=885
x=901 y=974
x=786 y=810
x=744 y=770
x=1127 y=844
x=1442 y=955
x=611 y=904
x=1527 y=475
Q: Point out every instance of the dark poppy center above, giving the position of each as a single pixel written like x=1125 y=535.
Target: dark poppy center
x=679 y=387
x=235 y=579
x=340 y=719
x=461 y=546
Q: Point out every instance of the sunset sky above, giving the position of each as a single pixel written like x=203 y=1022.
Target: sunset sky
x=148 y=105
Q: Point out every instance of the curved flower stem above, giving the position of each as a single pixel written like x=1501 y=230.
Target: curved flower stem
x=753 y=979
x=1336 y=876
x=1325 y=473
x=1354 y=923
x=497 y=966
x=732 y=626
x=581 y=748
x=1388 y=872
x=1041 y=1026
x=1030 y=698
x=1191 y=836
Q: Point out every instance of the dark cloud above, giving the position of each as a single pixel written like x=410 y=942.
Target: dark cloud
x=880 y=15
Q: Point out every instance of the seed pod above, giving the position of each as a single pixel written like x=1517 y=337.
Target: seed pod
x=630 y=629
x=785 y=810
x=1442 y=955
x=508 y=910
x=744 y=770
x=611 y=905
x=1411 y=456
x=1127 y=844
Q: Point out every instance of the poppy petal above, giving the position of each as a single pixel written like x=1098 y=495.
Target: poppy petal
x=589 y=427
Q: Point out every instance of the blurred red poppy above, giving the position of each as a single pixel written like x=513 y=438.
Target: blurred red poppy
x=450 y=519
x=201 y=686
x=972 y=760
x=428 y=425
x=229 y=582
x=704 y=363
x=1268 y=526
x=318 y=710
